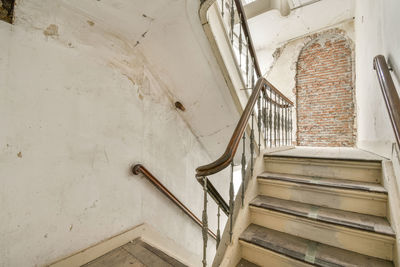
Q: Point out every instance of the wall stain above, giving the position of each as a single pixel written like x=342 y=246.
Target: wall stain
x=91 y=23
x=19 y=155
x=51 y=30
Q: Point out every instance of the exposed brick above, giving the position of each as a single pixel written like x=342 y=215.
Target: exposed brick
x=324 y=86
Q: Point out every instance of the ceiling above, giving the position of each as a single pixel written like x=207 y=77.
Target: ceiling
x=271 y=29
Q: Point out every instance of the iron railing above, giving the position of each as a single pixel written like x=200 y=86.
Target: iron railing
x=267 y=107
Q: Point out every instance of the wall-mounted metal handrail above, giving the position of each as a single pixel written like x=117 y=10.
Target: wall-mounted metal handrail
x=139 y=168
x=390 y=94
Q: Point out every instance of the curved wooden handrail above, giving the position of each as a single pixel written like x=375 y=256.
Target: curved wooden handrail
x=230 y=151
x=139 y=168
x=390 y=94
x=226 y=158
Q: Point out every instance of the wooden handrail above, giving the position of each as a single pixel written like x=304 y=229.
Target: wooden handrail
x=139 y=168
x=390 y=94
x=230 y=151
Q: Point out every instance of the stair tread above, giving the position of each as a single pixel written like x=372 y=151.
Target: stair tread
x=307 y=250
x=327 y=182
x=328 y=153
x=245 y=263
x=355 y=220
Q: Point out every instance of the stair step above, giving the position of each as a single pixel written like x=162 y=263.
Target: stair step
x=325 y=225
x=320 y=181
x=337 y=168
x=245 y=263
x=302 y=250
x=360 y=197
x=355 y=220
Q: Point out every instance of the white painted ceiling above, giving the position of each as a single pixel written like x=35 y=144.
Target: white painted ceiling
x=271 y=30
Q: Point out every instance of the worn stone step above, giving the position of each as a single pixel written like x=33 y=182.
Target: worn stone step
x=300 y=251
x=370 y=223
x=360 y=197
x=325 y=225
x=245 y=263
x=337 y=168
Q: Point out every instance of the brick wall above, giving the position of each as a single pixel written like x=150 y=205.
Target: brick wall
x=324 y=91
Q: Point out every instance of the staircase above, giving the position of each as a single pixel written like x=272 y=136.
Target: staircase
x=318 y=211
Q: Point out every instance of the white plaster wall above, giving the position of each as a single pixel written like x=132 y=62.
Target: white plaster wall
x=376 y=27
x=81 y=101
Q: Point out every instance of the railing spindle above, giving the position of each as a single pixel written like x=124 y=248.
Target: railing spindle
x=231 y=204
x=240 y=43
x=252 y=145
x=218 y=230
x=264 y=100
x=205 y=223
x=232 y=20
x=270 y=117
x=259 y=121
x=275 y=121
x=243 y=166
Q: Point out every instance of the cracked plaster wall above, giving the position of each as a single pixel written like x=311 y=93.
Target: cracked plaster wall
x=87 y=88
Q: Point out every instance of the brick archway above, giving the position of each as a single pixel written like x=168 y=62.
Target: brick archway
x=324 y=91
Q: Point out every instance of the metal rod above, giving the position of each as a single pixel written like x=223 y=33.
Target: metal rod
x=205 y=223
x=270 y=117
x=218 y=229
x=252 y=145
x=231 y=204
x=243 y=166
x=232 y=20
x=259 y=122
x=275 y=121
x=264 y=100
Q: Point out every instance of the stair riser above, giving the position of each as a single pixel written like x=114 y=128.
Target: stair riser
x=357 y=171
x=342 y=237
x=267 y=258
x=350 y=200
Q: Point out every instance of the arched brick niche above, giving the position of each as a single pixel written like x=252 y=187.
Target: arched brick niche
x=324 y=92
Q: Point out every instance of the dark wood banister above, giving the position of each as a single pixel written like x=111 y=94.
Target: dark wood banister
x=139 y=168
x=223 y=161
x=390 y=94
x=226 y=158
